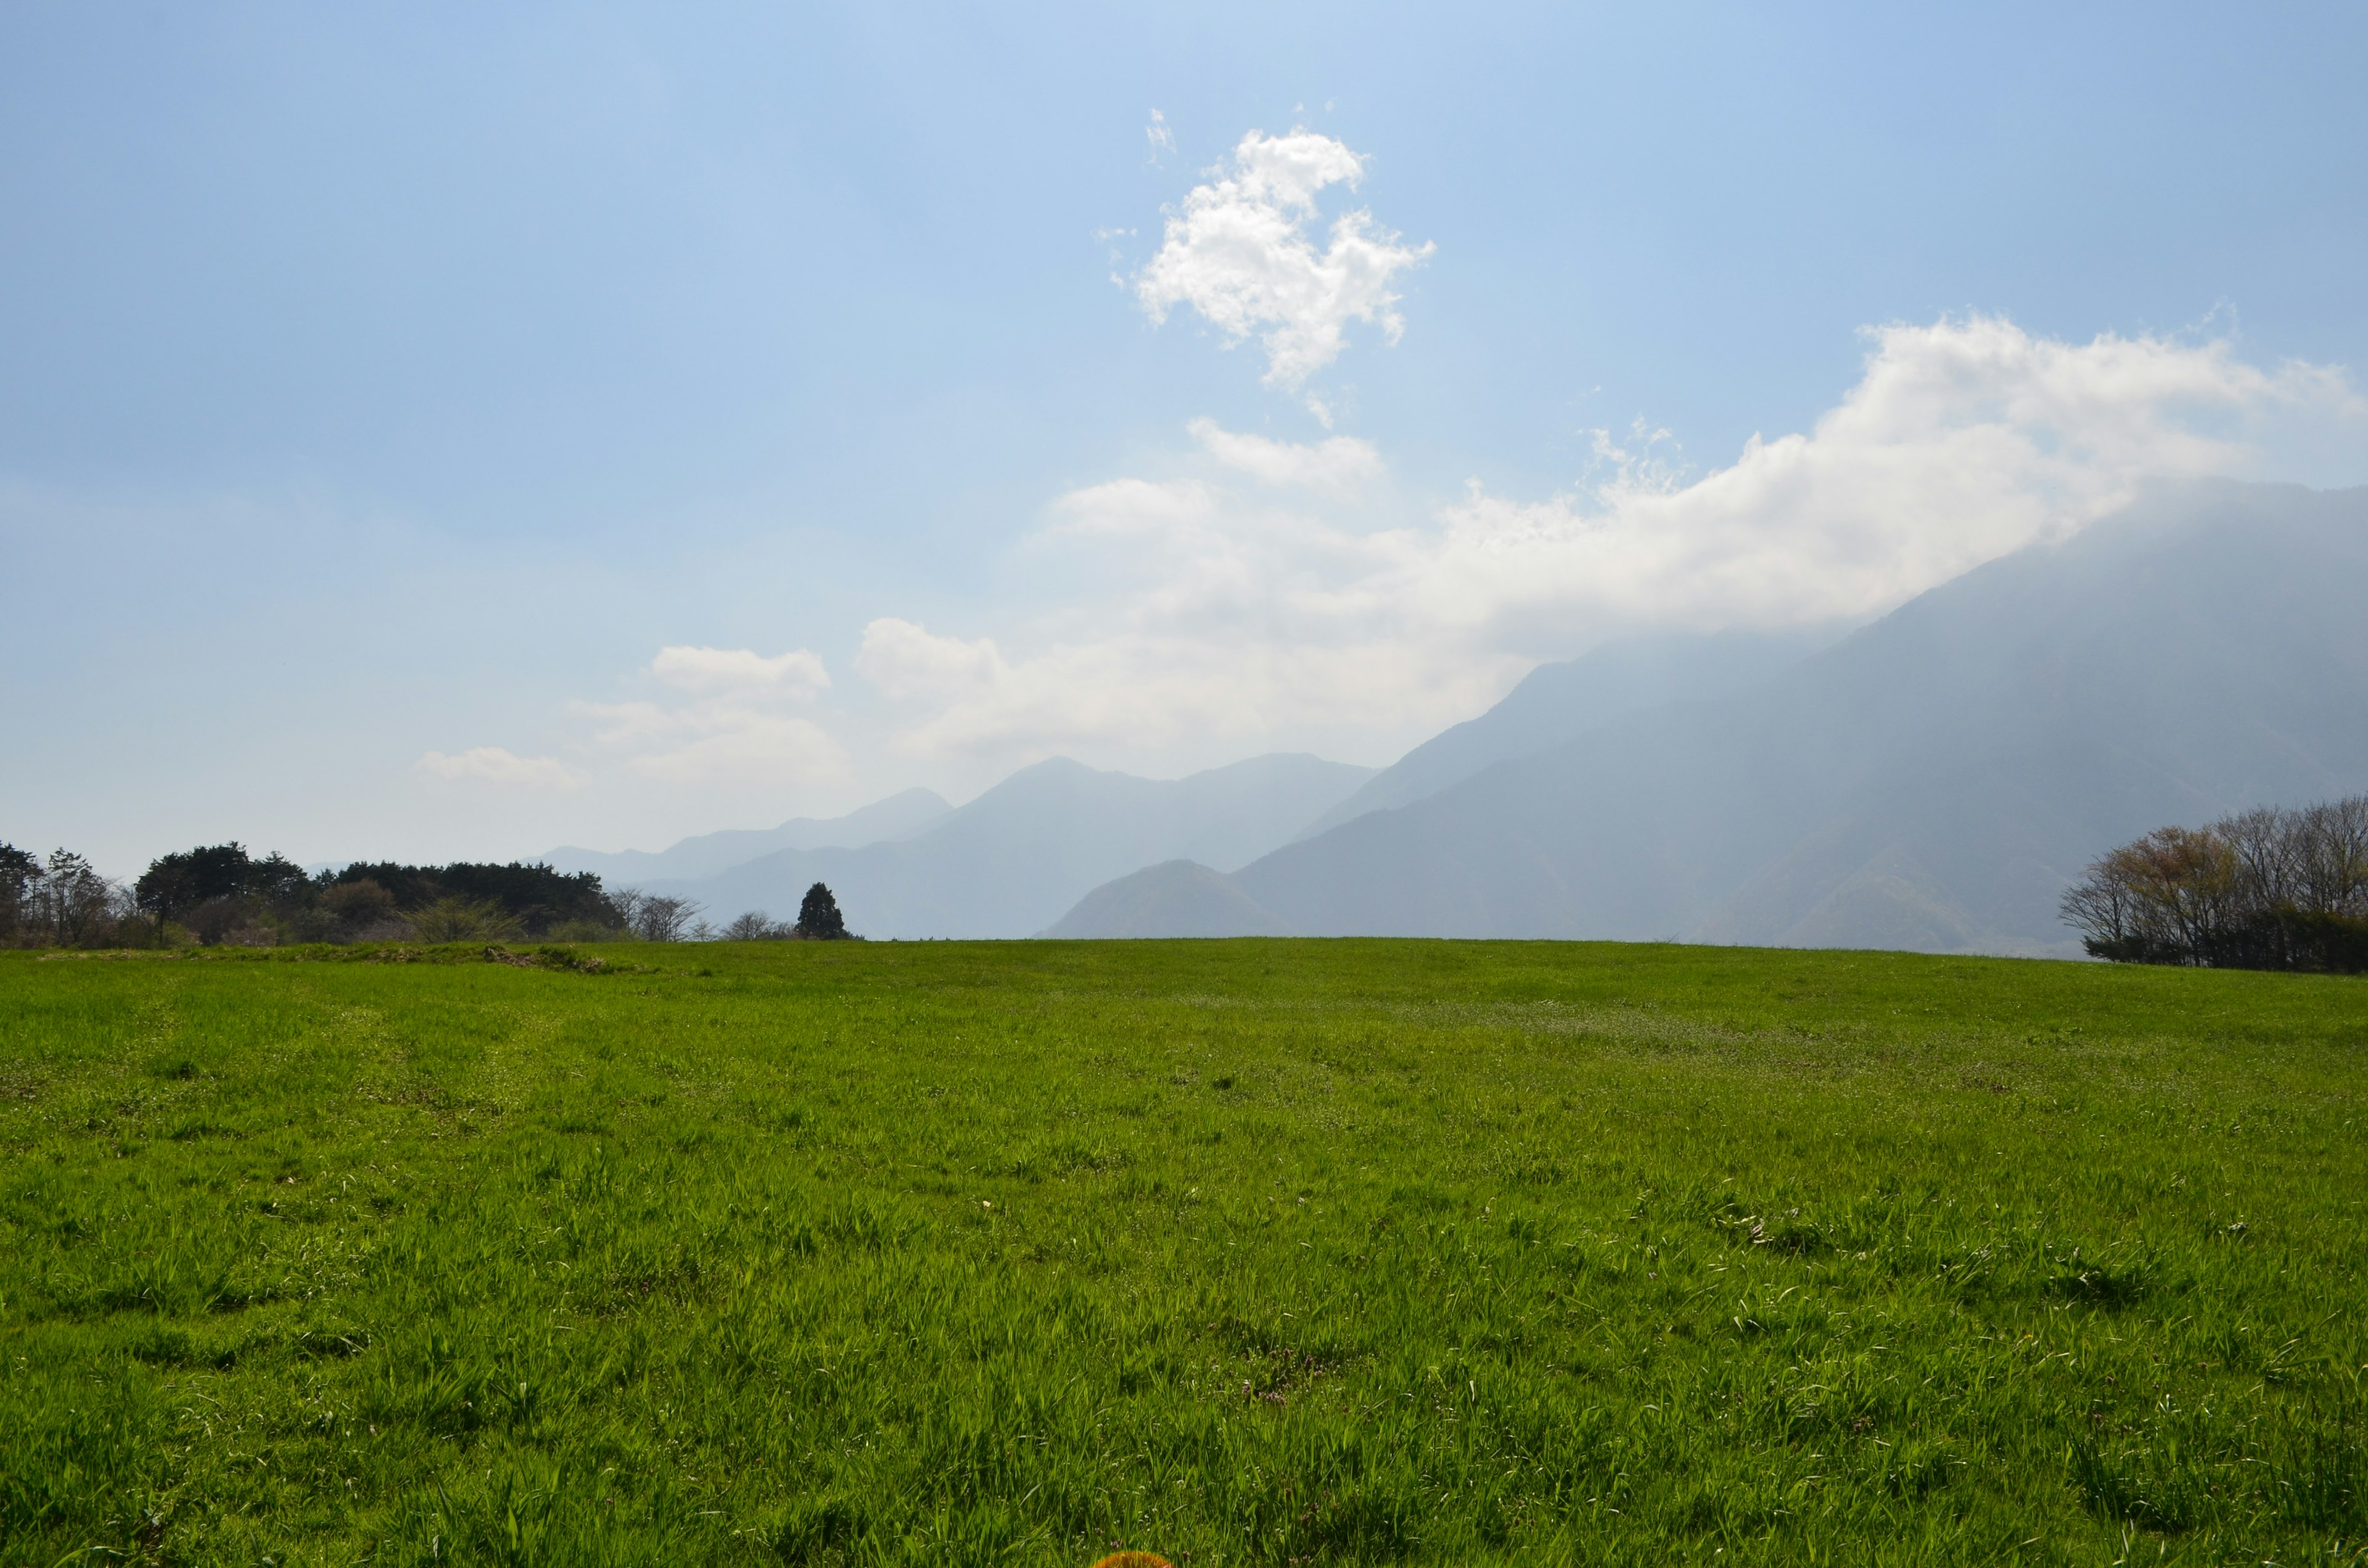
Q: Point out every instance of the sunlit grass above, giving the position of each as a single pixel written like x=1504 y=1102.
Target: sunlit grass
x=1256 y=1251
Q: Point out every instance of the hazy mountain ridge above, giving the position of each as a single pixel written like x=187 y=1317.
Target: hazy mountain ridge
x=899 y=816
x=1175 y=898
x=1558 y=702
x=1934 y=781
x=1009 y=862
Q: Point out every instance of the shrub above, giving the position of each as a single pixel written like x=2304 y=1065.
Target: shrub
x=454 y=919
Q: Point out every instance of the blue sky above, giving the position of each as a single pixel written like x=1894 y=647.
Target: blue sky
x=443 y=431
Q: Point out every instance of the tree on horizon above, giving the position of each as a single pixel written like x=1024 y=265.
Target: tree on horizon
x=818 y=917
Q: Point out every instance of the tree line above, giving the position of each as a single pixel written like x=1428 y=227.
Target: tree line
x=2276 y=888
x=222 y=894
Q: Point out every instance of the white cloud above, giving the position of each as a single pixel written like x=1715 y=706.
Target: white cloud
x=905 y=659
x=742 y=747
x=798 y=674
x=1158 y=133
x=1962 y=441
x=726 y=729
x=1262 y=601
x=1237 y=250
x=1338 y=465
x=1261 y=593
x=730 y=729
x=500 y=769
x=727 y=740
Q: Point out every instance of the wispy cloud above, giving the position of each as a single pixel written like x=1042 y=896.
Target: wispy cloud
x=1338 y=466
x=797 y=675
x=732 y=729
x=1238 y=250
x=501 y=769
x=732 y=746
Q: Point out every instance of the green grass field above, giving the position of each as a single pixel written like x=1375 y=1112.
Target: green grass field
x=1239 y=1252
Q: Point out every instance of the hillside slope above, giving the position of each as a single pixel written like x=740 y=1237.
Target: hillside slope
x=1559 y=702
x=1176 y=898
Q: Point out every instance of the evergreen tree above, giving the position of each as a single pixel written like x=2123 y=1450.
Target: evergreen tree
x=818 y=917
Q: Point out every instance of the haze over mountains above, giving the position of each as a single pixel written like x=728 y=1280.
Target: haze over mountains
x=1932 y=780
x=1557 y=703
x=898 y=816
x=1931 y=783
x=1007 y=863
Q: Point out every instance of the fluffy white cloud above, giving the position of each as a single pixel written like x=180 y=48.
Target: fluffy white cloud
x=1962 y=441
x=500 y=769
x=1260 y=601
x=797 y=674
x=1238 y=251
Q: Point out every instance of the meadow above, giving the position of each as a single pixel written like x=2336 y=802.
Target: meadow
x=1257 y=1251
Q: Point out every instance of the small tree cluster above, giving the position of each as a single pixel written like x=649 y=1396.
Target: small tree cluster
x=818 y=921
x=2266 y=888
x=220 y=894
x=61 y=902
x=529 y=897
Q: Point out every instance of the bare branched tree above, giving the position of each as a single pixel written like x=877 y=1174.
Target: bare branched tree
x=71 y=902
x=2264 y=889
x=653 y=917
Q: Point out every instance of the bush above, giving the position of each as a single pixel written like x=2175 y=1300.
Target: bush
x=452 y=919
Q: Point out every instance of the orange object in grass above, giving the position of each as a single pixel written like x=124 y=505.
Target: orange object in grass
x=1133 y=1560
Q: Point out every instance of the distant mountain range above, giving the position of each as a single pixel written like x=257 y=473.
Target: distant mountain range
x=1010 y=862
x=1933 y=781
x=898 y=816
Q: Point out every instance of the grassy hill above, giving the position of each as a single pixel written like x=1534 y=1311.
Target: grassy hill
x=1257 y=1251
